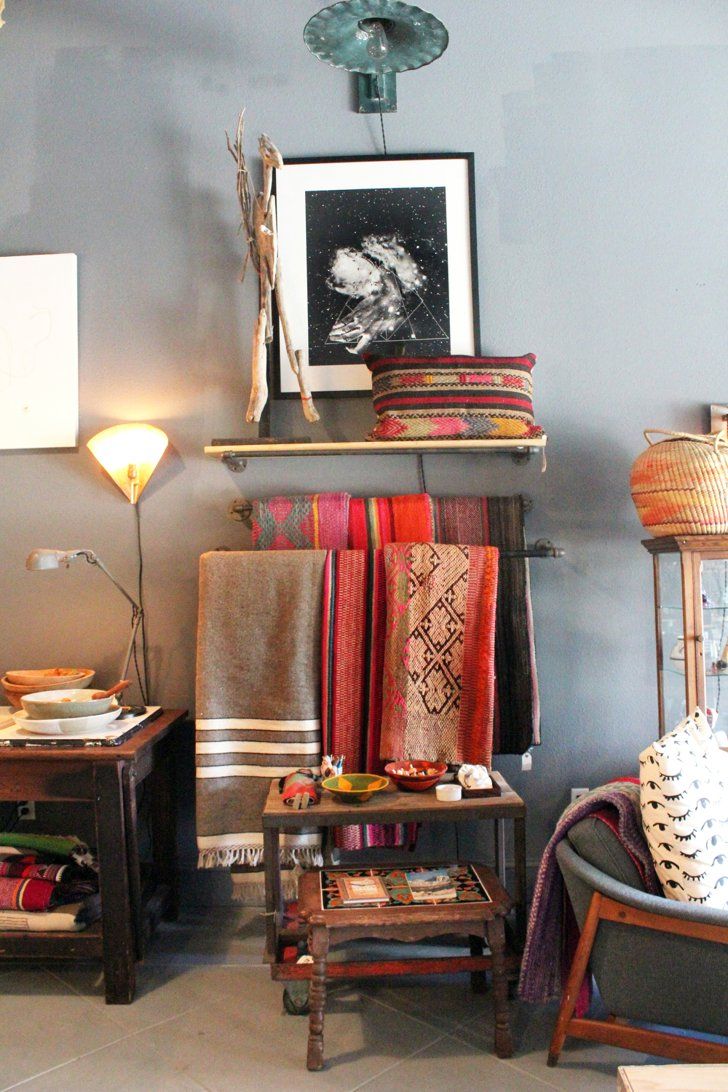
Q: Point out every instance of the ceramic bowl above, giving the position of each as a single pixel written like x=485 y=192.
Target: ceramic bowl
x=52 y=678
x=62 y=704
x=355 y=788
x=415 y=782
x=72 y=726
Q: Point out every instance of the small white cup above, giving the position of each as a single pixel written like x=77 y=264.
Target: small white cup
x=448 y=792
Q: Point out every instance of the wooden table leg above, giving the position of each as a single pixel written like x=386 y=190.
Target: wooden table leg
x=318 y=943
x=478 y=979
x=117 y=924
x=163 y=805
x=495 y=933
x=519 y=860
x=272 y=876
x=132 y=858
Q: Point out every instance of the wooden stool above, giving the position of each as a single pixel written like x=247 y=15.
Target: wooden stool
x=410 y=922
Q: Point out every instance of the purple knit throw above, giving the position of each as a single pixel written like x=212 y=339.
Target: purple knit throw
x=541 y=965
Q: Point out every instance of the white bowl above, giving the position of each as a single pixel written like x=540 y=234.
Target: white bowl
x=71 y=726
x=62 y=704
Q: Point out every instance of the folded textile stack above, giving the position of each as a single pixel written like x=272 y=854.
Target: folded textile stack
x=47 y=883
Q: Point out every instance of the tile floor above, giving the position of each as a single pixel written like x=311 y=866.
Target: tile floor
x=208 y=1016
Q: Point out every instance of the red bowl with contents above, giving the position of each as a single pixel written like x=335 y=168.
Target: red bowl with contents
x=415 y=774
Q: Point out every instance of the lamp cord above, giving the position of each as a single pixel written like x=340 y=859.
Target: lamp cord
x=381 y=115
x=143 y=682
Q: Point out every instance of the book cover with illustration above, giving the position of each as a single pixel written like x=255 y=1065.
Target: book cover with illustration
x=432 y=885
x=419 y=884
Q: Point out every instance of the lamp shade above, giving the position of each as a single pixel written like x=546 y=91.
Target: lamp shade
x=129 y=453
x=375 y=36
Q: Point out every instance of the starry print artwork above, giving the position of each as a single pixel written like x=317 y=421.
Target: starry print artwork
x=377 y=273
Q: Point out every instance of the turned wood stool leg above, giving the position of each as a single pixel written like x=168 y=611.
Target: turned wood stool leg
x=318 y=945
x=495 y=933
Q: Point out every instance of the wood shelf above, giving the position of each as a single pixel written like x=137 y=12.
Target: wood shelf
x=236 y=453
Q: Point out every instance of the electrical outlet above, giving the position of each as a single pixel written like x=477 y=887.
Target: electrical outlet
x=576 y=793
x=26 y=811
x=718 y=417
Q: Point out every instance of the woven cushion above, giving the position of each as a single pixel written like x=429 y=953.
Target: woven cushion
x=453 y=397
x=684 y=800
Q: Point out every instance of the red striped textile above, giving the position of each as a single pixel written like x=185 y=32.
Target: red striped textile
x=354 y=616
x=439 y=660
x=376 y=521
x=27 y=894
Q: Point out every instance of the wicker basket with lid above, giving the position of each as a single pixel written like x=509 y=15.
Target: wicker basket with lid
x=680 y=484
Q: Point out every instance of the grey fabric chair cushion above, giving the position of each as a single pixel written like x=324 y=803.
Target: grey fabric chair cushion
x=596 y=843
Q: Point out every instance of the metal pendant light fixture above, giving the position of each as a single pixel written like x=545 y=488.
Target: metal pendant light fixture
x=375 y=39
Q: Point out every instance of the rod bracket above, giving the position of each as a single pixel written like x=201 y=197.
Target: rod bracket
x=234 y=462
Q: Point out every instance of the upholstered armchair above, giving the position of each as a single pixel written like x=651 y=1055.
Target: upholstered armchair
x=655 y=961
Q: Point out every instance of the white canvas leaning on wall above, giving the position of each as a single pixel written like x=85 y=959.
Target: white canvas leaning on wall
x=38 y=351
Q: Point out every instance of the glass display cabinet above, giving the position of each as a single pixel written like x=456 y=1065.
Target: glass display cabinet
x=691 y=625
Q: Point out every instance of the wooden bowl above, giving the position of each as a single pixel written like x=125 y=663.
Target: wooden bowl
x=355 y=788
x=415 y=782
x=52 y=678
x=16 y=691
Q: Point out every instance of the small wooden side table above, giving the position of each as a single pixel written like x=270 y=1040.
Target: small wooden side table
x=106 y=778
x=405 y=923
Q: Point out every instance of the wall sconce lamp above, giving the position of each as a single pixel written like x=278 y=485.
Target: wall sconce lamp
x=375 y=39
x=129 y=454
x=43 y=559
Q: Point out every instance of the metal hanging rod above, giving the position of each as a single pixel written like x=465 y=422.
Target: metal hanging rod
x=242 y=510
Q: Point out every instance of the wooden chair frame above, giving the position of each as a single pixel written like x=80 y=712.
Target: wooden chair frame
x=614 y=1031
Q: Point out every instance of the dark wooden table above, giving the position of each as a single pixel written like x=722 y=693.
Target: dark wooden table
x=390 y=806
x=106 y=778
x=405 y=923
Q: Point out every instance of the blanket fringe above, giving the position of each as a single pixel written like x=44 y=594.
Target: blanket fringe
x=252 y=856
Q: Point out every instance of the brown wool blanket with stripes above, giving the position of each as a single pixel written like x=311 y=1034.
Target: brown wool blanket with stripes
x=258 y=697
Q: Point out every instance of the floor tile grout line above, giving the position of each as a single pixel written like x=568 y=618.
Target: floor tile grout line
x=409 y=1015
x=98 y=1049
x=507 y=1061
x=399 y=1062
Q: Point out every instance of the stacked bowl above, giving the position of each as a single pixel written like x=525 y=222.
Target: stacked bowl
x=17 y=684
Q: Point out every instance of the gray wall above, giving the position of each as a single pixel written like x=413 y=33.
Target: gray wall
x=599 y=135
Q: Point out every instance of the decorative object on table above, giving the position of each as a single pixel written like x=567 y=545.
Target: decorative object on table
x=258 y=224
x=317 y=521
x=448 y=793
x=453 y=397
x=52 y=678
x=474 y=777
x=619 y=804
x=38 y=351
x=415 y=775
x=375 y=39
x=129 y=453
x=354 y=621
x=59 y=726
x=684 y=801
x=680 y=485
x=439 y=675
x=258 y=696
x=16 y=691
x=299 y=789
x=102 y=732
x=380 y=256
x=61 y=704
x=401 y=887
x=355 y=788
x=44 y=559
x=332 y=765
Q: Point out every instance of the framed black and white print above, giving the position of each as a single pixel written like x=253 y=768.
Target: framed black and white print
x=377 y=255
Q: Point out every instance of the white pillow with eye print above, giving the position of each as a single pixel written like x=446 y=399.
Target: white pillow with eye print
x=684 y=801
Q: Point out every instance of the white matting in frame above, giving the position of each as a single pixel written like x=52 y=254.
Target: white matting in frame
x=38 y=351
x=328 y=214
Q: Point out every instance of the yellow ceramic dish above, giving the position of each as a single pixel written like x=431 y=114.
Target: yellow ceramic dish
x=355 y=788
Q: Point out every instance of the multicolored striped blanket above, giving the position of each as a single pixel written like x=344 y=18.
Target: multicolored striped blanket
x=438 y=684
x=258 y=703
x=317 y=521
x=376 y=521
x=352 y=648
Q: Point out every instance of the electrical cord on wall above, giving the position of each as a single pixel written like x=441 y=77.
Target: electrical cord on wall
x=142 y=670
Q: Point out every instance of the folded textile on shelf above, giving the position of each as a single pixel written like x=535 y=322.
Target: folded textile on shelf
x=31 y=867
x=70 y=918
x=352 y=651
x=258 y=697
x=376 y=521
x=438 y=684
x=33 y=895
x=55 y=847
x=307 y=522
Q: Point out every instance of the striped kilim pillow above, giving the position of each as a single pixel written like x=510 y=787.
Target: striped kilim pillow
x=453 y=397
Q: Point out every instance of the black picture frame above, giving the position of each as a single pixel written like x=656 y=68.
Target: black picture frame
x=312 y=231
